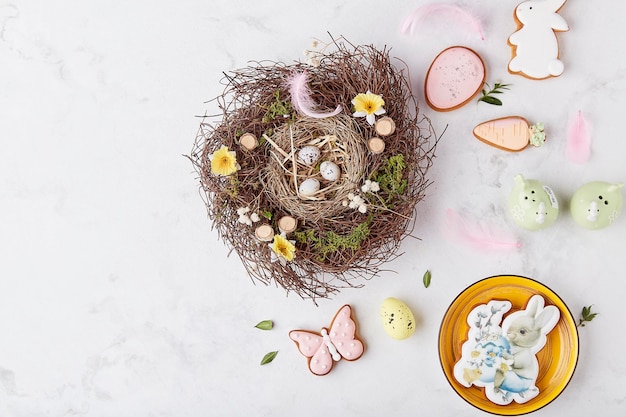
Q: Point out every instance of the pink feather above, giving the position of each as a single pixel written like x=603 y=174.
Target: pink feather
x=459 y=229
x=578 y=144
x=452 y=12
x=301 y=97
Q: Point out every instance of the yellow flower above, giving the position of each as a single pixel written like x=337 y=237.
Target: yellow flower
x=368 y=105
x=283 y=247
x=224 y=162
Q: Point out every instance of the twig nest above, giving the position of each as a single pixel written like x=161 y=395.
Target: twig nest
x=330 y=171
x=330 y=198
x=309 y=155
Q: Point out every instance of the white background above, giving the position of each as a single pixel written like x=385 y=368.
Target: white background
x=117 y=298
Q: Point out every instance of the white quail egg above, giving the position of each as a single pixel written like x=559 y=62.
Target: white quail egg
x=309 y=187
x=309 y=155
x=330 y=171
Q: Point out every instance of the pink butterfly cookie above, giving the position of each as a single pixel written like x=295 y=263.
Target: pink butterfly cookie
x=330 y=345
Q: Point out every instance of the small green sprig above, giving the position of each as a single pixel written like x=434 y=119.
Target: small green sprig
x=586 y=316
x=487 y=96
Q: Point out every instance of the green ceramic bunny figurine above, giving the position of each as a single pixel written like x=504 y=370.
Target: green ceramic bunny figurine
x=532 y=204
x=597 y=204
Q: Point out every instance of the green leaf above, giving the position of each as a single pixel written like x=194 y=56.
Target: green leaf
x=586 y=316
x=487 y=96
x=426 y=279
x=491 y=100
x=269 y=357
x=265 y=325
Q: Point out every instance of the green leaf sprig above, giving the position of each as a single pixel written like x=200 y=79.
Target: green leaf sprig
x=488 y=97
x=427 y=278
x=586 y=316
x=269 y=357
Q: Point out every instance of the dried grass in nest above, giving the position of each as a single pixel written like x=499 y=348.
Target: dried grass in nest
x=266 y=184
x=342 y=144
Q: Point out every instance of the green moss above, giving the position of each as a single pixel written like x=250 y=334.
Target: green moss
x=390 y=177
x=233 y=190
x=332 y=242
x=278 y=108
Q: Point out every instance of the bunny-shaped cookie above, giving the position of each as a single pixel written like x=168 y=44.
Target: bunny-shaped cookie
x=526 y=332
x=535 y=46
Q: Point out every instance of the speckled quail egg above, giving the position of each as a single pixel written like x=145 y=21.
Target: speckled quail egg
x=398 y=320
x=309 y=187
x=330 y=171
x=309 y=155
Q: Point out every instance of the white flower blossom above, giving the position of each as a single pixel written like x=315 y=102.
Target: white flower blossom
x=244 y=218
x=355 y=202
x=370 y=187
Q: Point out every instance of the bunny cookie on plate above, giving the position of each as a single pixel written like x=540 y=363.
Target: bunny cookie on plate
x=503 y=359
x=535 y=45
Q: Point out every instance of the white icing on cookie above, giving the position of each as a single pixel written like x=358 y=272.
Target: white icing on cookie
x=536 y=48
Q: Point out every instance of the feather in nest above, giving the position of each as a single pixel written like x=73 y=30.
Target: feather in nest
x=301 y=97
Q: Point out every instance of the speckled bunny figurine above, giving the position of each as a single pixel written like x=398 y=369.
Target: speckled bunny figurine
x=532 y=204
x=536 y=48
x=526 y=332
x=597 y=204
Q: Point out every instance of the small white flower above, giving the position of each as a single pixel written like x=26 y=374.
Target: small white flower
x=244 y=219
x=255 y=217
x=355 y=202
x=370 y=186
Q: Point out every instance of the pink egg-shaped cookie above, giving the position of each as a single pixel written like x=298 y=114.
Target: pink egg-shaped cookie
x=456 y=75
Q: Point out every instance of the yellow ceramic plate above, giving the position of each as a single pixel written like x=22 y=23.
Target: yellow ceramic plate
x=557 y=360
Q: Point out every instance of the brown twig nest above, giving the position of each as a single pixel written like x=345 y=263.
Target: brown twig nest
x=358 y=201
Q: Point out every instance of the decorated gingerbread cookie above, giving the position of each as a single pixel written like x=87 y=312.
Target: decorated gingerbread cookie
x=512 y=133
x=535 y=45
x=331 y=345
x=456 y=75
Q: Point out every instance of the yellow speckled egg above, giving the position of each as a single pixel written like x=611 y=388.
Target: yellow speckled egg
x=397 y=318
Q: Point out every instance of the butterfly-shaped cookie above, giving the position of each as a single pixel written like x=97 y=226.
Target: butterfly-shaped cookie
x=330 y=345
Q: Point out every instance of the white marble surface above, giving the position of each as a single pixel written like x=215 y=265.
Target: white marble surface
x=117 y=299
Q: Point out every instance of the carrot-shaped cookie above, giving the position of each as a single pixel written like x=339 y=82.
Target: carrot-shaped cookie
x=512 y=133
